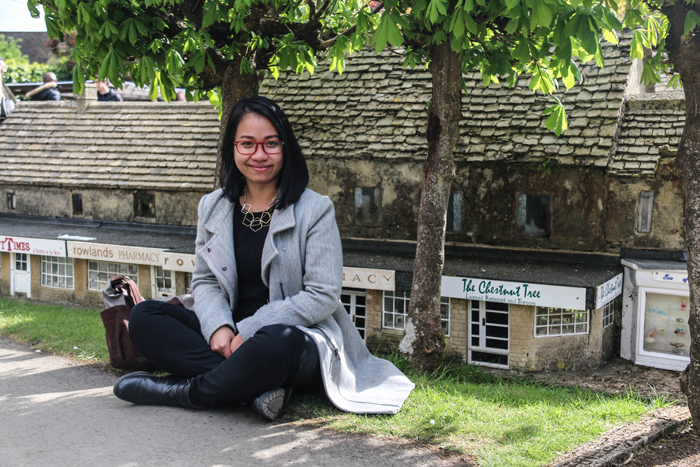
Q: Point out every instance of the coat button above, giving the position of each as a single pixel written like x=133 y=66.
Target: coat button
x=208 y=250
x=223 y=268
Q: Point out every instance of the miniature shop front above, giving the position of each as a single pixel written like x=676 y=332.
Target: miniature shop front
x=655 y=314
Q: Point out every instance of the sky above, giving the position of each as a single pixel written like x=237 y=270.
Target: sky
x=15 y=17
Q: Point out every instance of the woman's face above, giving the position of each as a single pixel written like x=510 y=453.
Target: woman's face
x=257 y=168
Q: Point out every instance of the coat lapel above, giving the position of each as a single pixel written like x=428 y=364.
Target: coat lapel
x=220 y=224
x=282 y=219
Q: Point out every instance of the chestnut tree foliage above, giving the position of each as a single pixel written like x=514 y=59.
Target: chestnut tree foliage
x=213 y=48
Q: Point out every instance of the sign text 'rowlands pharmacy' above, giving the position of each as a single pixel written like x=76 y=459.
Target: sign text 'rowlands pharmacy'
x=515 y=293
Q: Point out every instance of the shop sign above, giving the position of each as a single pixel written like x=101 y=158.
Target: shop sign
x=115 y=253
x=372 y=279
x=607 y=292
x=178 y=262
x=515 y=293
x=678 y=277
x=33 y=246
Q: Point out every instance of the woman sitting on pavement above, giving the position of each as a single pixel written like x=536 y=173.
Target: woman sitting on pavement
x=268 y=272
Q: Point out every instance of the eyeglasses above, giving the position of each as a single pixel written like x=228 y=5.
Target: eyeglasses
x=249 y=147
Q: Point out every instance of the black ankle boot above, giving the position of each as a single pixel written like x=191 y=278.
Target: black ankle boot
x=146 y=389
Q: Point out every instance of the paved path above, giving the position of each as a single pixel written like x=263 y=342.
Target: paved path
x=54 y=413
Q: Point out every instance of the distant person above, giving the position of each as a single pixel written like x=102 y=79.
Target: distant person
x=47 y=91
x=7 y=99
x=105 y=93
x=180 y=97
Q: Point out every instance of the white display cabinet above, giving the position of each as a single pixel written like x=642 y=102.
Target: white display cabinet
x=655 y=312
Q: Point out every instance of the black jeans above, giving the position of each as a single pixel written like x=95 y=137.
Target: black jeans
x=169 y=336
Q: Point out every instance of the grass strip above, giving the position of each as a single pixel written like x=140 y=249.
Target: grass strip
x=502 y=421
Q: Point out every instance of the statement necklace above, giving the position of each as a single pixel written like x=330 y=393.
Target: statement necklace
x=249 y=219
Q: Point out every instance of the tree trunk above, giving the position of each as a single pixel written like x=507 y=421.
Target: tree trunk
x=684 y=53
x=234 y=87
x=424 y=339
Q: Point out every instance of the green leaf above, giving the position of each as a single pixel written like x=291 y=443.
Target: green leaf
x=610 y=36
x=692 y=19
x=387 y=31
x=636 y=48
x=542 y=14
x=675 y=82
x=211 y=16
x=457 y=26
x=437 y=8
x=471 y=24
x=510 y=4
x=557 y=118
x=78 y=79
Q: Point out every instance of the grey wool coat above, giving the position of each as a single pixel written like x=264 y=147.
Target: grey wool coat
x=302 y=267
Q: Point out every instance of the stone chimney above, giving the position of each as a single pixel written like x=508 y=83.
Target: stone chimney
x=88 y=97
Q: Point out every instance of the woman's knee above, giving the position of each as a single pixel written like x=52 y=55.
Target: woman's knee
x=140 y=316
x=281 y=339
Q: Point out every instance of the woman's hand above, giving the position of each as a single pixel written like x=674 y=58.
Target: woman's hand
x=236 y=342
x=222 y=341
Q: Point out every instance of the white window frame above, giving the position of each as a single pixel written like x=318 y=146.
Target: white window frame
x=445 y=312
x=113 y=269
x=551 y=324
x=396 y=297
x=608 y=314
x=351 y=307
x=404 y=297
x=55 y=268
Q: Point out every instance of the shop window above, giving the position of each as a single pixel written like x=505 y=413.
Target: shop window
x=99 y=273
x=11 y=201
x=534 y=216
x=608 y=314
x=188 y=282
x=560 y=321
x=454 y=213
x=77 y=200
x=145 y=205
x=445 y=315
x=645 y=207
x=57 y=272
x=367 y=211
x=395 y=311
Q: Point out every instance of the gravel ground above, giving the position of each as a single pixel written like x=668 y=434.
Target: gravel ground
x=680 y=449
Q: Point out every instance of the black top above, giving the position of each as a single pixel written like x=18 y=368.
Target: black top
x=109 y=96
x=50 y=94
x=248 y=247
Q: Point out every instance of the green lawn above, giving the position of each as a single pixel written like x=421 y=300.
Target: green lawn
x=503 y=422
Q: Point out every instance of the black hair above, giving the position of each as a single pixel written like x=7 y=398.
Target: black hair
x=294 y=175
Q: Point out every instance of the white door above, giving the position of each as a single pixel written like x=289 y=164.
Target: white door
x=355 y=303
x=162 y=282
x=489 y=333
x=20 y=275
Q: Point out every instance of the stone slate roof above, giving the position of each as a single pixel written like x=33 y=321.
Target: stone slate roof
x=652 y=125
x=116 y=145
x=377 y=109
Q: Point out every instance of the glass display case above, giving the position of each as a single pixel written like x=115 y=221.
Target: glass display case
x=655 y=311
x=666 y=324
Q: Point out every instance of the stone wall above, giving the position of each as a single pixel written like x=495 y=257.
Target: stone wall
x=171 y=207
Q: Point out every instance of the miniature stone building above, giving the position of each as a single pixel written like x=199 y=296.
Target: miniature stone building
x=537 y=224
